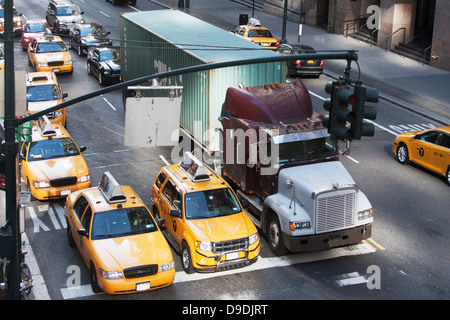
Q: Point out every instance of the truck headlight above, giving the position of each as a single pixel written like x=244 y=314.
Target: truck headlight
x=166 y=266
x=110 y=274
x=203 y=245
x=253 y=238
x=299 y=225
x=365 y=214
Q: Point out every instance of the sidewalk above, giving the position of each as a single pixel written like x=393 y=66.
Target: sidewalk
x=405 y=82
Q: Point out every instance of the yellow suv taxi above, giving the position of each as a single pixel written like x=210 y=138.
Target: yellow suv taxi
x=51 y=164
x=43 y=92
x=17 y=21
x=254 y=32
x=203 y=219
x=49 y=53
x=118 y=239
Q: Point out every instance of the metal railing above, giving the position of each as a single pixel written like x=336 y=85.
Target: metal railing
x=390 y=36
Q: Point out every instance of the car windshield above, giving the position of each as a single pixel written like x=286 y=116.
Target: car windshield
x=109 y=55
x=46 y=47
x=122 y=222
x=211 y=204
x=52 y=148
x=86 y=31
x=306 y=150
x=42 y=93
x=35 y=27
x=67 y=11
x=260 y=33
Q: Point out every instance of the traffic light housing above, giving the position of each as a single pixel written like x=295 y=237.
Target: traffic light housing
x=341 y=118
x=362 y=111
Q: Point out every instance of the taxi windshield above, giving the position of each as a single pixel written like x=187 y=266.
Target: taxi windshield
x=52 y=148
x=45 y=47
x=42 y=93
x=122 y=222
x=211 y=204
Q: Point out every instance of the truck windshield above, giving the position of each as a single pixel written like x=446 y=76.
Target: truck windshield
x=211 y=203
x=306 y=150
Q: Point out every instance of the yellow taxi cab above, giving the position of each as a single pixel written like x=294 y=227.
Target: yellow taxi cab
x=119 y=240
x=49 y=53
x=429 y=149
x=203 y=219
x=254 y=32
x=17 y=21
x=43 y=92
x=51 y=164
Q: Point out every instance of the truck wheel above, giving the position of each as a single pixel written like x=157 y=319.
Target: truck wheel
x=186 y=259
x=275 y=237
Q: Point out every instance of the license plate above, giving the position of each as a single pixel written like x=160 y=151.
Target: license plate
x=232 y=256
x=55 y=69
x=143 y=286
x=310 y=61
x=265 y=44
x=65 y=192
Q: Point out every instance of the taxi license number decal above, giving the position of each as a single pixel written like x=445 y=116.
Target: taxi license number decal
x=143 y=286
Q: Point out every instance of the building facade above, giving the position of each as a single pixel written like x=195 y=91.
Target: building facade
x=417 y=29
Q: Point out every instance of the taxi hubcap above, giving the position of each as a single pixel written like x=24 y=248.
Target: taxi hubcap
x=402 y=154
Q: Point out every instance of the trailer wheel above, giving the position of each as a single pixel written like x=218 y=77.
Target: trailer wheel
x=274 y=236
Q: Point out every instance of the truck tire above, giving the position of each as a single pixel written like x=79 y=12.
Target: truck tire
x=274 y=235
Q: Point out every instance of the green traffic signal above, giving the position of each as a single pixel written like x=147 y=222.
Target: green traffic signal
x=363 y=111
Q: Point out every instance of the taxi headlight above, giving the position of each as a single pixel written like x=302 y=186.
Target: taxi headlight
x=166 y=266
x=58 y=113
x=42 y=64
x=84 y=178
x=203 y=245
x=68 y=62
x=110 y=274
x=41 y=184
x=253 y=238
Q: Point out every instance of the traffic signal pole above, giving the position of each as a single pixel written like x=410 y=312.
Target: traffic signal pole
x=10 y=236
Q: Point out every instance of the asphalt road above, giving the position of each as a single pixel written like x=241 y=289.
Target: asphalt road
x=407 y=257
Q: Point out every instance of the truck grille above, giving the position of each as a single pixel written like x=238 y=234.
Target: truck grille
x=63 y=182
x=230 y=245
x=335 y=211
x=141 y=271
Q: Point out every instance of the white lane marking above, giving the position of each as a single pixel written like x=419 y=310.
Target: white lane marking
x=109 y=103
x=104 y=14
x=349 y=279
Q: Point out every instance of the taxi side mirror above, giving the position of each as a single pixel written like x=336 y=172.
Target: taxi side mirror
x=244 y=203
x=83 y=232
x=82 y=148
x=65 y=95
x=175 y=213
x=160 y=222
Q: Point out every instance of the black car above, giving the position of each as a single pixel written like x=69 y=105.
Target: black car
x=86 y=35
x=300 y=67
x=104 y=63
x=116 y=2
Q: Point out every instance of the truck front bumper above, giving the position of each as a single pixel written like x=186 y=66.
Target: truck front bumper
x=327 y=240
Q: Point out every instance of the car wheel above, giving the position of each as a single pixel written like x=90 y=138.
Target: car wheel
x=88 y=68
x=100 y=78
x=133 y=2
x=28 y=188
x=402 y=154
x=94 y=281
x=448 y=175
x=80 y=51
x=70 y=237
x=186 y=259
x=275 y=237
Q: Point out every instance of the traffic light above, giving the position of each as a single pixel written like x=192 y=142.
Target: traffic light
x=362 y=111
x=340 y=119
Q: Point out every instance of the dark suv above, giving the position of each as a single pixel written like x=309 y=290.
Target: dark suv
x=116 y=2
x=61 y=15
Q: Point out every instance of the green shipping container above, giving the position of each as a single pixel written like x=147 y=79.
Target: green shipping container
x=157 y=41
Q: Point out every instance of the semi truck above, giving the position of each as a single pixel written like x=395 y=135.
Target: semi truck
x=283 y=161
x=256 y=130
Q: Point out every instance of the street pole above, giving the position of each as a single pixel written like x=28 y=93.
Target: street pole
x=300 y=27
x=283 y=33
x=11 y=161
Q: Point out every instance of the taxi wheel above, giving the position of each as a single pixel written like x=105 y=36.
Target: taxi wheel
x=94 y=283
x=448 y=175
x=70 y=237
x=186 y=260
x=402 y=154
x=28 y=188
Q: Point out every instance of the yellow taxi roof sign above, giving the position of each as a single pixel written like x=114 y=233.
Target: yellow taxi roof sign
x=193 y=167
x=110 y=189
x=45 y=127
